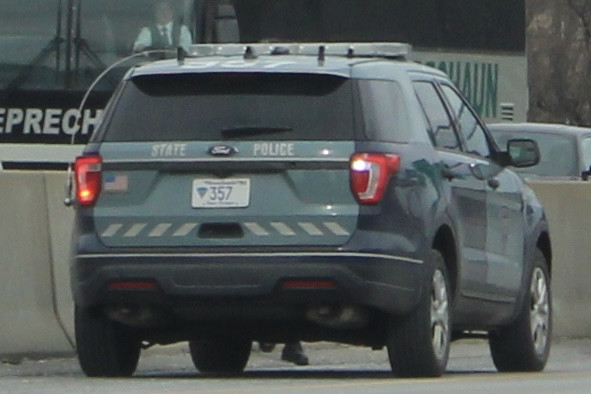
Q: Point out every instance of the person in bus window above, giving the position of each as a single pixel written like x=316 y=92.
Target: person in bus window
x=165 y=32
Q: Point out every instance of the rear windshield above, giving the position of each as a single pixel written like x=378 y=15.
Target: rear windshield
x=234 y=106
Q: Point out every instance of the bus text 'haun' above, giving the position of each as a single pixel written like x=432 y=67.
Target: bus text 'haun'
x=479 y=82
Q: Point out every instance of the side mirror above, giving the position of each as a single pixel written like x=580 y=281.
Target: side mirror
x=585 y=174
x=523 y=153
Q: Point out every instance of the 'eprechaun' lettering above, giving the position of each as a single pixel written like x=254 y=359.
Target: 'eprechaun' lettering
x=49 y=121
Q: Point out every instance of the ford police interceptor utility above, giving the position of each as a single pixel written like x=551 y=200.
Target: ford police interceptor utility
x=312 y=192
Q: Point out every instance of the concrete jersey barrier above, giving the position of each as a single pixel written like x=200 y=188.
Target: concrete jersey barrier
x=568 y=208
x=36 y=309
x=29 y=295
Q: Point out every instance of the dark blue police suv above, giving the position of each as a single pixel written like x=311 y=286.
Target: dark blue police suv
x=284 y=192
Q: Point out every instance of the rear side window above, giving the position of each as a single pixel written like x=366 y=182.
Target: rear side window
x=476 y=141
x=442 y=130
x=232 y=106
x=384 y=111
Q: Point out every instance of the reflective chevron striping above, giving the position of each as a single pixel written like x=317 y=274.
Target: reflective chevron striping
x=282 y=228
x=336 y=228
x=160 y=229
x=310 y=228
x=112 y=230
x=185 y=229
x=135 y=230
x=256 y=229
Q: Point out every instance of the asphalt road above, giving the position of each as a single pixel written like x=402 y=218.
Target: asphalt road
x=333 y=369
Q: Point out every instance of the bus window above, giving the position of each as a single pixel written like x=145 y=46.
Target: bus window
x=48 y=45
x=65 y=44
x=51 y=51
x=110 y=27
x=27 y=38
x=466 y=24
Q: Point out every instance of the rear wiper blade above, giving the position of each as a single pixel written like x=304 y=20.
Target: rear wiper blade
x=248 y=131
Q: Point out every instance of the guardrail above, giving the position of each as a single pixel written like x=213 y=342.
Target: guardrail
x=36 y=309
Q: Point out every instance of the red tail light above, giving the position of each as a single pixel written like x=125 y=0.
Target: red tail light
x=87 y=173
x=370 y=173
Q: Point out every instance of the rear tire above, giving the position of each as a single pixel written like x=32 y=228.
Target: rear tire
x=220 y=355
x=105 y=348
x=524 y=346
x=418 y=344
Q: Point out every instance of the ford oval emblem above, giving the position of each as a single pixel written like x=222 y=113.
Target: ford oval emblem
x=222 y=150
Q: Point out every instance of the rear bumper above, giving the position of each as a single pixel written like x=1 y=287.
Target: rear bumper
x=384 y=282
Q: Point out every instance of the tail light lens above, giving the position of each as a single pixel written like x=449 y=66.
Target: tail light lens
x=370 y=173
x=87 y=173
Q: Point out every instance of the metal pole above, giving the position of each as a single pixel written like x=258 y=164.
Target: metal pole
x=77 y=38
x=58 y=38
x=69 y=23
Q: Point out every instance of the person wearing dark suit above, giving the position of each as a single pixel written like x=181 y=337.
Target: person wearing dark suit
x=165 y=32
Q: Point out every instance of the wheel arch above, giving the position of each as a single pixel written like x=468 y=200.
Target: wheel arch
x=543 y=243
x=444 y=242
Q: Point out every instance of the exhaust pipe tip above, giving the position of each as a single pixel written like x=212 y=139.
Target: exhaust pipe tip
x=135 y=316
x=338 y=316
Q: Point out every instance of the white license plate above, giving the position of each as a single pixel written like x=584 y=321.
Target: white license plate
x=220 y=193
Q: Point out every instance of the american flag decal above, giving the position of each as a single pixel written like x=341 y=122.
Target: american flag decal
x=116 y=182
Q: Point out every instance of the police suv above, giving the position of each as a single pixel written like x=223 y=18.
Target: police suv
x=314 y=192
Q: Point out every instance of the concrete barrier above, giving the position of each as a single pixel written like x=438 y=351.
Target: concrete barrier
x=28 y=307
x=568 y=208
x=60 y=231
x=36 y=309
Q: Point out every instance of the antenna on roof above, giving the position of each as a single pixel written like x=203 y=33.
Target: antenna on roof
x=351 y=52
x=249 y=53
x=321 y=54
x=180 y=55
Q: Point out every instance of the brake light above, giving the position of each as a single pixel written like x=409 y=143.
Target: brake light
x=370 y=173
x=87 y=173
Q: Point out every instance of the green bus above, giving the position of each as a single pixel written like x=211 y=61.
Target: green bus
x=51 y=52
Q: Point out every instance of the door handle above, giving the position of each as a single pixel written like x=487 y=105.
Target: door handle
x=448 y=173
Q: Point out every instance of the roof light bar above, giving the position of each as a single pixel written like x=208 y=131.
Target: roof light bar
x=378 y=49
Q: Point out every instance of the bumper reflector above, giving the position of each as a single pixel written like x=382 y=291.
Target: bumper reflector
x=309 y=284
x=133 y=285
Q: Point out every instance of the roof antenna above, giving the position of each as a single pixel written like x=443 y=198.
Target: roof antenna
x=180 y=55
x=321 y=55
x=249 y=53
x=351 y=52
